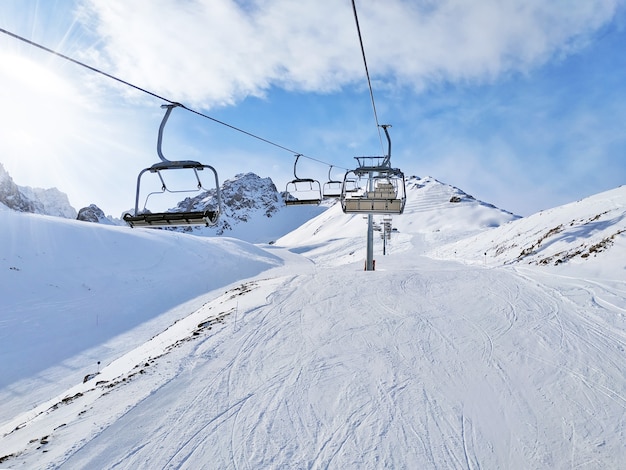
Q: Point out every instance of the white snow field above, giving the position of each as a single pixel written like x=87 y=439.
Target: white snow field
x=215 y=353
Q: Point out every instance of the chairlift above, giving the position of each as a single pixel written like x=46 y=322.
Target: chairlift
x=146 y=218
x=300 y=191
x=332 y=188
x=385 y=191
x=350 y=185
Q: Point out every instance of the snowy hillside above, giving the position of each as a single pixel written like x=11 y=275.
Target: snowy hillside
x=435 y=213
x=572 y=234
x=91 y=283
x=154 y=349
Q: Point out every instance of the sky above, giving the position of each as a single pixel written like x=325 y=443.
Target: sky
x=519 y=103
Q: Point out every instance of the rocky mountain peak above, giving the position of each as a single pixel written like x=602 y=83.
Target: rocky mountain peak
x=35 y=200
x=93 y=213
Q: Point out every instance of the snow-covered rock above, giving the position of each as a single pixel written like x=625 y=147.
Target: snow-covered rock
x=35 y=200
x=253 y=210
x=93 y=213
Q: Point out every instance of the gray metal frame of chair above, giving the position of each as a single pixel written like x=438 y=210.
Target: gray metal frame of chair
x=162 y=219
x=331 y=188
x=350 y=185
x=386 y=190
x=306 y=195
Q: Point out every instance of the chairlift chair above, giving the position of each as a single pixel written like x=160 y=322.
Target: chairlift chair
x=301 y=191
x=350 y=185
x=385 y=194
x=385 y=191
x=146 y=218
x=331 y=188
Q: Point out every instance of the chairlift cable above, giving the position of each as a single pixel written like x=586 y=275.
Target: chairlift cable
x=367 y=73
x=155 y=95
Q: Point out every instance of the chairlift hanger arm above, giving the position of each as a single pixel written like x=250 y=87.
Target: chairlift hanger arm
x=311 y=196
x=387 y=161
x=166 y=164
x=378 y=164
x=168 y=108
x=296 y=178
x=294 y=167
x=330 y=179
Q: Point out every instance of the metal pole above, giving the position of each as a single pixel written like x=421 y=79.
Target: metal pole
x=370 y=242
x=384 y=238
x=370 y=232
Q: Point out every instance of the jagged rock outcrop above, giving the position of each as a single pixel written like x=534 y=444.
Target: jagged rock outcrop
x=93 y=213
x=35 y=200
x=11 y=196
x=249 y=192
x=244 y=197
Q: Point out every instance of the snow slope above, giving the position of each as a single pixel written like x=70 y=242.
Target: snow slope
x=430 y=219
x=572 y=234
x=303 y=360
x=69 y=289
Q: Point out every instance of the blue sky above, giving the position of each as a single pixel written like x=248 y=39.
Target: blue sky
x=519 y=103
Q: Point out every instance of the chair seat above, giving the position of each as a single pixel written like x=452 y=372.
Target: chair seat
x=373 y=206
x=171 y=219
x=301 y=202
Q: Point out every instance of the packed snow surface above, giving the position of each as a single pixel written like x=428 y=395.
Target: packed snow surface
x=148 y=349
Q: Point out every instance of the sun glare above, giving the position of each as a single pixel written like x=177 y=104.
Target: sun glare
x=38 y=99
x=41 y=109
x=40 y=79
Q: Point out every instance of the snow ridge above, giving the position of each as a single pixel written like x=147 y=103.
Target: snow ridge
x=572 y=233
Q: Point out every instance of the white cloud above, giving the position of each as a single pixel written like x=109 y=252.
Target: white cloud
x=216 y=52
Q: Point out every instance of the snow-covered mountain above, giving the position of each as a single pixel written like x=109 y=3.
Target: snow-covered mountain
x=252 y=210
x=435 y=213
x=148 y=348
x=35 y=200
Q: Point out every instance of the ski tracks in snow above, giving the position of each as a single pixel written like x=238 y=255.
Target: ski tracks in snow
x=332 y=367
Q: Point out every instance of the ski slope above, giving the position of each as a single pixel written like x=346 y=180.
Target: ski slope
x=427 y=362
